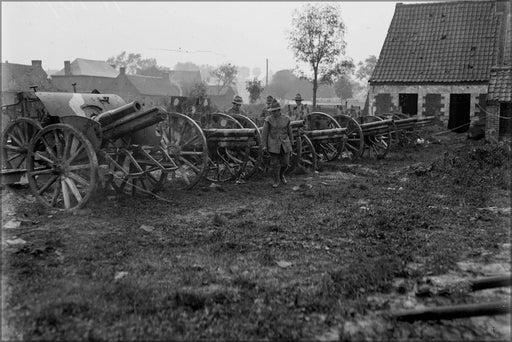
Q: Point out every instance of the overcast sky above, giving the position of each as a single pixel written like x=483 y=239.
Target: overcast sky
x=242 y=33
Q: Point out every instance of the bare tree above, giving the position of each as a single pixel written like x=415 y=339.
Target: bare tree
x=317 y=40
x=225 y=75
x=134 y=63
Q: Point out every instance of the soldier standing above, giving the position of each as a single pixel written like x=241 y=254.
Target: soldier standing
x=237 y=106
x=300 y=111
x=277 y=141
x=265 y=112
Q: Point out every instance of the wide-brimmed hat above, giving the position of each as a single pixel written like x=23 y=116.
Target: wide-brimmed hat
x=237 y=100
x=274 y=106
x=269 y=99
x=298 y=97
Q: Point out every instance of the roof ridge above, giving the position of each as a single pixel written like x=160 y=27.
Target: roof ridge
x=145 y=76
x=449 y=2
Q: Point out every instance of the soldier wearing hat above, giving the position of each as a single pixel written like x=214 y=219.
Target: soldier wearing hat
x=299 y=111
x=277 y=141
x=265 y=112
x=237 y=106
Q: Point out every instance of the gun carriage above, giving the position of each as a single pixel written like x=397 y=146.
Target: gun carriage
x=234 y=147
x=67 y=143
x=405 y=128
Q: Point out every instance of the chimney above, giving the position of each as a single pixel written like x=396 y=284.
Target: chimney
x=67 y=68
x=37 y=64
x=122 y=71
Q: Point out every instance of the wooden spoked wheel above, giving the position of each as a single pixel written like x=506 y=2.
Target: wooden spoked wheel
x=61 y=167
x=219 y=120
x=185 y=148
x=377 y=145
x=354 y=145
x=328 y=149
x=226 y=163
x=132 y=172
x=303 y=157
x=256 y=153
x=16 y=139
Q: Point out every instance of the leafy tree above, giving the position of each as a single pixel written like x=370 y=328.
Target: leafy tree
x=317 y=40
x=343 y=88
x=281 y=83
x=134 y=62
x=225 y=75
x=365 y=70
x=186 y=66
x=154 y=71
x=255 y=89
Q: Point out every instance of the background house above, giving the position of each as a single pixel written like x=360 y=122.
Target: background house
x=20 y=77
x=220 y=98
x=150 y=91
x=499 y=104
x=88 y=75
x=437 y=58
x=185 y=79
x=17 y=78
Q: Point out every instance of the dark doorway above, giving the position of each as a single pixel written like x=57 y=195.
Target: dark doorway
x=408 y=103
x=505 y=119
x=460 y=105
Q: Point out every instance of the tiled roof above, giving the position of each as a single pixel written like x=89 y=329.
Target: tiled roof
x=19 y=77
x=88 y=67
x=84 y=84
x=439 y=42
x=500 y=85
x=155 y=86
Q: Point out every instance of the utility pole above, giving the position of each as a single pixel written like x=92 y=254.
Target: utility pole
x=266 y=75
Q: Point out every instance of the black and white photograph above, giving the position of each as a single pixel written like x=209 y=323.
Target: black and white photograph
x=256 y=170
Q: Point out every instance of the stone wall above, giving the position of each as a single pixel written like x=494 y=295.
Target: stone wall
x=432 y=99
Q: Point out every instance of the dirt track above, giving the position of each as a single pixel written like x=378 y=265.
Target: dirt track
x=351 y=244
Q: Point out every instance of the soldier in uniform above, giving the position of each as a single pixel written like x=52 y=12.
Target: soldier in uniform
x=265 y=112
x=300 y=110
x=277 y=141
x=237 y=106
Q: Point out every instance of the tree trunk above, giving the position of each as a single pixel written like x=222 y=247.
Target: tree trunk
x=315 y=86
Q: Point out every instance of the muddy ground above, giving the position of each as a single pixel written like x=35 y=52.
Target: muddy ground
x=329 y=256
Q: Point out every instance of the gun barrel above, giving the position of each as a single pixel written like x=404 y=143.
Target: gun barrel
x=108 y=117
x=133 y=122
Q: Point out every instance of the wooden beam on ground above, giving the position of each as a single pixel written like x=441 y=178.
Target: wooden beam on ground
x=453 y=311
x=491 y=282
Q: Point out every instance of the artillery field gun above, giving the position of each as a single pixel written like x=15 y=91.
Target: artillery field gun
x=66 y=144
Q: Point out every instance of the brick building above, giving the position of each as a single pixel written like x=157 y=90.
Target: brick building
x=150 y=91
x=19 y=77
x=86 y=75
x=437 y=58
x=221 y=98
x=499 y=104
